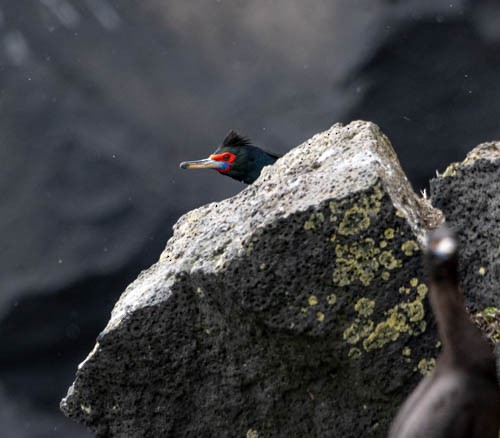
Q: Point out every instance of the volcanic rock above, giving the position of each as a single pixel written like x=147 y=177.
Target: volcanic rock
x=295 y=308
x=468 y=193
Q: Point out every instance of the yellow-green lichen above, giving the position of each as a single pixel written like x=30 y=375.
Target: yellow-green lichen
x=409 y=247
x=488 y=320
x=320 y=316
x=422 y=327
x=356 y=262
x=407 y=351
x=491 y=312
x=451 y=170
x=357 y=331
x=405 y=317
x=388 y=261
x=252 y=433
x=361 y=259
x=384 y=333
x=422 y=290
x=334 y=208
x=331 y=299
x=351 y=333
x=404 y=290
x=364 y=306
x=389 y=233
x=355 y=219
x=315 y=220
x=262 y=266
x=482 y=270
x=354 y=353
x=86 y=408
x=313 y=300
x=414 y=310
x=425 y=366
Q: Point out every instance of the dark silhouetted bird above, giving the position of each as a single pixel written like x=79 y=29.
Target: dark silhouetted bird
x=461 y=398
x=237 y=158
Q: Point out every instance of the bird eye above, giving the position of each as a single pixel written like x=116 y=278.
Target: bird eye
x=226 y=157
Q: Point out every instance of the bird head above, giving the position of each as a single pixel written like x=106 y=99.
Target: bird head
x=441 y=254
x=235 y=157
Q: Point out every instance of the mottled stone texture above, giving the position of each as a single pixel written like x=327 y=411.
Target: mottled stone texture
x=295 y=308
x=468 y=193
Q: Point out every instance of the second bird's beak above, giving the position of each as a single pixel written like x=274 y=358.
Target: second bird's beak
x=207 y=163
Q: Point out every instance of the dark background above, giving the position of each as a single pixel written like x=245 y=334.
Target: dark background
x=100 y=100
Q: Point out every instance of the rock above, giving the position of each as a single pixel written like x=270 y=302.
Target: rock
x=468 y=193
x=295 y=308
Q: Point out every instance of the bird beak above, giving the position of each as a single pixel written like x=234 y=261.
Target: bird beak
x=203 y=164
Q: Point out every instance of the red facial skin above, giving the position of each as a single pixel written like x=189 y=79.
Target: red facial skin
x=226 y=157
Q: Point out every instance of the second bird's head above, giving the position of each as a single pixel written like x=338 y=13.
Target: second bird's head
x=235 y=157
x=441 y=255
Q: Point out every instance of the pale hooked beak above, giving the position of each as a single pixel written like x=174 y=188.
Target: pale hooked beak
x=207 y=163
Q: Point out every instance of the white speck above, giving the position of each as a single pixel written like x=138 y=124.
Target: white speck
x=59 y=261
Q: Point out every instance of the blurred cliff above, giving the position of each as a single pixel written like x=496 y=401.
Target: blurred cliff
x=101 y=99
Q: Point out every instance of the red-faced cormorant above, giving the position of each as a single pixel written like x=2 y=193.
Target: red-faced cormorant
x=237 y=158
x=461 y=398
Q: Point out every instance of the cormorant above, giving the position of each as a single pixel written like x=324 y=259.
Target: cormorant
x=237 y=157
x=461 y=398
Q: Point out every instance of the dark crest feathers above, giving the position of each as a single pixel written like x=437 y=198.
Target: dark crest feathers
x=233 y=139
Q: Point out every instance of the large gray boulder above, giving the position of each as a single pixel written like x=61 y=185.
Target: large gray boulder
x=295 y=308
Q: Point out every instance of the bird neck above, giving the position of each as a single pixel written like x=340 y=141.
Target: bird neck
x=463 y=343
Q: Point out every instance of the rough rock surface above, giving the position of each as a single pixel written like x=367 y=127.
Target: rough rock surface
x=468 y=193
x=294 y=308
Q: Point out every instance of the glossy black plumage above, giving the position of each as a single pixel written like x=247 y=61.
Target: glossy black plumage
x=461 y=398
x=247 y=165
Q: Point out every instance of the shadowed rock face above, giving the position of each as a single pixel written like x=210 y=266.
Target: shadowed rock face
x=296 y=307
x=468 y=193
